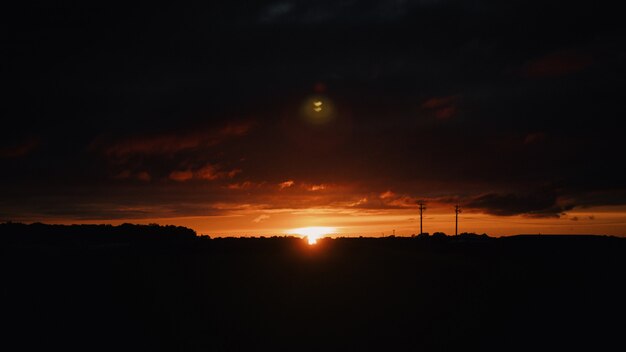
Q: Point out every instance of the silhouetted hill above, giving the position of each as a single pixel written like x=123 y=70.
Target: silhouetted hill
x=278 y=293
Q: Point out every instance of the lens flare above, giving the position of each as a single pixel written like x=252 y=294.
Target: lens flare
x=317 y=110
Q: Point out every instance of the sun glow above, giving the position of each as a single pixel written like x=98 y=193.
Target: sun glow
x=313 y=233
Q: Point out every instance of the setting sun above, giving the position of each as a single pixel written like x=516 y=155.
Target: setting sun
x=313 y=233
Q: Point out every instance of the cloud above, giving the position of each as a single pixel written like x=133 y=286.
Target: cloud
x=558 y=63
x=438 y=102
x=533 y=138
x=286 y=184
x=537 y=204
x=122 y=175
x=127 y=174
x=208 y=172
x=314 y=188
x=442 y=108
x=144 y=176
x=19 y=149
x=445 y=113
x=242 y=185
x=358 y=203
x=275 y=11
x=587 y=199
x=387 y=195
x=171 y=142
x=181 y=176
x=261 y=218
x=402 y=202
x=329 y=12
x=385 y=200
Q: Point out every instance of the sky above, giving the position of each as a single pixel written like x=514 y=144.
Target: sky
x=256 y=118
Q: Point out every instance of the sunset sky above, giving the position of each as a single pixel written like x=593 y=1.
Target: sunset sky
x=256 y=118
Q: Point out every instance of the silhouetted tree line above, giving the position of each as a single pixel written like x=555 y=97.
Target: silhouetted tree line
x=38 y=233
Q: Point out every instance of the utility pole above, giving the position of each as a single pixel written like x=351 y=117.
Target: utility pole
x=421 y=208
x=457 y=210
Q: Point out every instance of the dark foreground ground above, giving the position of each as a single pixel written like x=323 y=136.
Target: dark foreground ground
x=519 y=293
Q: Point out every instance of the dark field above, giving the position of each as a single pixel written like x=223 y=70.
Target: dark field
x=178 y=294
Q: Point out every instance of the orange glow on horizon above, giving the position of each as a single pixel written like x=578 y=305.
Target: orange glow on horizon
x=350 y=222
x=313 y=233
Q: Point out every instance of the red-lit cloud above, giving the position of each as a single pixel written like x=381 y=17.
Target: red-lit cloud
x=181 y=176
x=246 y=185
x=20 y=149
x=438 y=102
x=261 y=218
x=144 y=176
x=127 y=174
x=558 y=63
x=172 y=142
x=208 y=172
x=385 y=200
x=286 y=184
x=534 y=138
x=442 y=108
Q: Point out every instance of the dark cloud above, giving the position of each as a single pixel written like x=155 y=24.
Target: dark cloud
x=168 y=143
x=537 y=204
x=20 y=148
x=127 y=174
x=441 y=107
x=535 y=137
x=207 y=172
x=329 y=12
x=586 y=199
x=557 y=64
